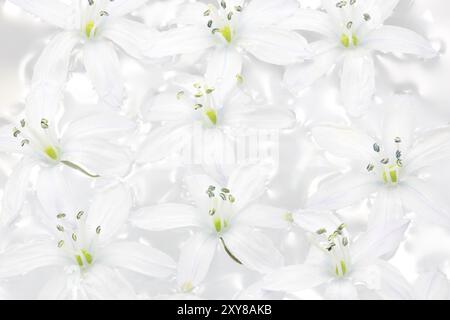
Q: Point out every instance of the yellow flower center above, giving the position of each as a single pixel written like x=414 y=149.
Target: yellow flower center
x=51 y=153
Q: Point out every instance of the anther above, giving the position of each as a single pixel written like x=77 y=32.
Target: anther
x=223 y=4
x=366 y=16
x=74 y=237
x=60 y=243
x=385 y=161
x=341 y=4
x=60 y=228
x=44 y=123
x=24 y=142
x=98 y=230
x=80 y=215
x=321 y=231
x=60 y=215
x=376 y=147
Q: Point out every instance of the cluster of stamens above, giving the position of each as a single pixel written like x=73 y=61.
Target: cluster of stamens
x=223 y=27
x=91 y=25
x=224 y=195
x=390 y=168
x=204 y=101
x=74 y=239
x=336 y=244
x=26 y=134
x=349 y=37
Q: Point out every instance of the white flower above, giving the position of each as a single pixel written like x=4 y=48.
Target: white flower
x=340 y=265
x=49 y=137
x=84 y=249
x=231 y=28
x=224 y=215
x=95 y=25
x=392 y=162
x=352 y=30
x=194 y=111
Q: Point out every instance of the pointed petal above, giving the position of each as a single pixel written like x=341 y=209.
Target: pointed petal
x=398 y=40
x=138 y=258
x=275 y=45
x=379 y=241
x=15 y=190
x=342 y=191
x=109 y=210
x=341 y=289
x=133 y=37
x=52 y=11
x=224 y=64
x=267 y=12
x=432 y=286
x=253 y=249
x=186 y=40
x=167 y=107
x=195 y=259
x=311 y=20
x=301 y=75
x=166 y=216
x=120 y=8
x=313 y=221
x=22 y=259
x=422 y=199
x=295 y=278
x=392 y=284
x=259 y=117
x=264 y=216
x=247 y=183
x=345 y=142
x=387 y=207
x=357 y=83
x=53 y=64
x=103 y=68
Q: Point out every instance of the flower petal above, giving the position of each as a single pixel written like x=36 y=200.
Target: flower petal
x=109 y=210
x=15 y=190
x=341 y=289
x=103 y=68
x=53 y=11
x=311 y=20
x=274 y=45
x=133 y=37
x=138 y=258
x=342 y=191
x=197 y=185
x=53 y=63
x=398 y=40
x=259 y=117
x=120 y=8
x=22 y=259
x=267 y=12
x=392 y=284
x=357 y=83
x=432 y=285
x=295 y=278
x=186 y=40
x=264 y=216
x=166 y=216
x=253 y=249
x=195 y=259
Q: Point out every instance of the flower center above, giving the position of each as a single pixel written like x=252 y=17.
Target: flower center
x=336 y=246
x=220 y=20
x=77 y=242
x=204 y=103
x=221 y=207
x=388 y=168
x=349 y=37
x=93 y=16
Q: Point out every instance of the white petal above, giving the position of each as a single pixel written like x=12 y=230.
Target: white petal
x=253 y=249
x=53 y=63
x=166 y=216
x=326 y=54
x=264 y=216
x=164 y=142
x=103 y=68
x=53 y=11
x=195 y=259
x=267 y=12
x=224 y=64
x=247 y=183
x=15 y=191
x=184 y=40
x=311 y=20
x=313 y=221
x=432 y=286
x=133 y=37
x=345 y=142
x=295 y=278
x=97 y=156
x=341 y=289
x=191 y=13
x=398 y=40
x=109 y=210
x=274 y=45
x=342 y=191
x=197 y=185
x=138 y=258
x=259 y=117
x=387 y=207
x=392 y=286
x=357 y=83
x=379 y=241
x=120 y=8
x=167 y=107
x=423 y=199
x=22 y=259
